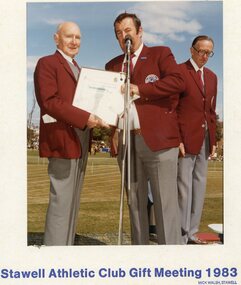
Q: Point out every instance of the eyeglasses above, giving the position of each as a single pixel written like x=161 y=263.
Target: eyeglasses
x=203 y=52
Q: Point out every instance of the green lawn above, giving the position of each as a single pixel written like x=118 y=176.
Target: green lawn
x=99 y=210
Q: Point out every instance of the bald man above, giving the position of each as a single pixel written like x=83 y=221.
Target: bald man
x=197 y=123
x=64 y=134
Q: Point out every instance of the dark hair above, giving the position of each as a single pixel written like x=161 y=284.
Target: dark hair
x=201 y=38
x=121 y=17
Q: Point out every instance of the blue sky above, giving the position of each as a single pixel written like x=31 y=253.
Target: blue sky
x=169 y=23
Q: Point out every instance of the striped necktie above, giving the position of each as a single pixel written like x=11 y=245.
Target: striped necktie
x=199 y=73
x=75 y=64
x=131 y=64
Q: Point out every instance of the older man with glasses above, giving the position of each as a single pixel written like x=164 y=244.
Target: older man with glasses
x=197 y=124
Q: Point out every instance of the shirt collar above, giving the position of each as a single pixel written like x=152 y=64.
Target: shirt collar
x=138 y=51
x=68 y=58
x=195 y=65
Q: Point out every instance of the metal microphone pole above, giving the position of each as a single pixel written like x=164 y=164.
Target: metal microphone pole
x=125 y=141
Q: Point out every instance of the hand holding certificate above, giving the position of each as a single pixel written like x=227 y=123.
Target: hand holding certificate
x=99 y=92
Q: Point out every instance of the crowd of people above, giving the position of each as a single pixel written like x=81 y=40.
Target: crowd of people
x=172 y=133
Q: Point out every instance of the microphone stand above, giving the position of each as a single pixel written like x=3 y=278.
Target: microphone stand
x=126 y=146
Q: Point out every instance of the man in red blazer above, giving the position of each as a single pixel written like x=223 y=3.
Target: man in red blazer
x=156 y=78
x=197 y=123
x=64 y=134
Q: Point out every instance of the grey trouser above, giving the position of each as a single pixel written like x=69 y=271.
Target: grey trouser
x=160 y=168
x=66 y=181
x=192 y=178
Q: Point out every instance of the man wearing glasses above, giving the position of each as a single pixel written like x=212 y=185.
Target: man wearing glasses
x=197 y=124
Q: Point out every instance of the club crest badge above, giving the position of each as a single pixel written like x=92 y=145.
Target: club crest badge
x=151 y=78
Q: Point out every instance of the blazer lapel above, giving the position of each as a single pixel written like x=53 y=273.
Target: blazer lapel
x=118 y=63
x=141 y=59
x=207 y=81
x=194 y=75
x=65 y=64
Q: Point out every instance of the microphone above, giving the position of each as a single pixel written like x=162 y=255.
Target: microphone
x=128 y=40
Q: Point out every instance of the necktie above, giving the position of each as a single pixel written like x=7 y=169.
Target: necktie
x=199 y=72
x=131 y=64
x=75 y=68
x=75 y=64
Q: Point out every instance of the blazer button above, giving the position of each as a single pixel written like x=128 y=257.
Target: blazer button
x=203 y=125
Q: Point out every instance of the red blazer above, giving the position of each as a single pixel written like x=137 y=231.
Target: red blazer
x=54 y=88
x=160 y=82
x=195 y=107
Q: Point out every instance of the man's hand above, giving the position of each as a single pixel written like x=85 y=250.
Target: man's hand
x=213 y=150
x=95 y=121
x=134 y=90
x=181 y=150
x=114 y=143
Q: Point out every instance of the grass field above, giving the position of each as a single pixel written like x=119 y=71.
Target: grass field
x=99 y=210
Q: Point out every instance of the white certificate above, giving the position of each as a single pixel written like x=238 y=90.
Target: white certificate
x=99 y=92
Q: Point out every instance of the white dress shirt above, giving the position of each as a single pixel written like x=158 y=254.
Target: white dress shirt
x=134 y=119
x=197 y=68
x=68 y=58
